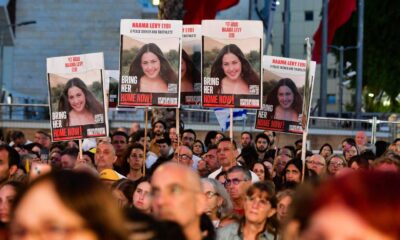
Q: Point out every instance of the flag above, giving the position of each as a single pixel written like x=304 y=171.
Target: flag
x=224 y=119
x=339 y=12
x=197 y=10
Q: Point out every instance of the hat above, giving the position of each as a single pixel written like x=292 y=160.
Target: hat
x=109 y=174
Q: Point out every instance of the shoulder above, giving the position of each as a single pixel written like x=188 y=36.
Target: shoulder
x=215 y=173
x=228 y=232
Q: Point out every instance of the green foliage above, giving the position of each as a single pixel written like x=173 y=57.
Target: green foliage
x=126 y=59
x=381 y=67
x=56 y=92
x=97 y=89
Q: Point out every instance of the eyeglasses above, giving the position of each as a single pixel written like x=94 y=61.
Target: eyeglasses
x=235 y=181
x=210 y=194
x=182 y=156
x=315 y=163
x=336 y=164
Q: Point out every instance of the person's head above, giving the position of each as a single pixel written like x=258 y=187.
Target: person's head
x=293 y=171
x=226 y=152
x=88 y=157
x=210 y=157
x=177 y=195
x=283 y=157
x=218 y=200
x=238 y=179
x=135 y=126
x=151 y=62
x=189 y=70
x=358 y=162
x=142 y=196
x=317 y=163
x=245 y=139
x=122 y=191
x=360 y=205
x=159 y=128
x=260 y=203
x=9 y=162
x=198 y=148
x=247 y=157
x=119 y=140
x=348 y=141
x=350 y=150
x=271 y=135
x=284 y=198
x=361 y=138
x=221 y=177
x=18 y=138
x=286 y=95
x=43 y=138
x=261 y=171
x=326 y=150
x=77 y=97
x=231 y=63
x=8 y=192
x=164 y=144
x=210 y=138
x=139 y=137
x=262 y=142
x=183 y=155
x=386 y=164
x=135 y=156
x=69 y=157
x=105 y=156
x=55 y=159
x=335 y=163
x=188 y=137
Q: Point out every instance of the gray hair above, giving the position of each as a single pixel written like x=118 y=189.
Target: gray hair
x=227 y=206
x=245 y=171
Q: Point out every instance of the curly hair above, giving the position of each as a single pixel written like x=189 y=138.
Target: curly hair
x=248 y=74
x=166 y=71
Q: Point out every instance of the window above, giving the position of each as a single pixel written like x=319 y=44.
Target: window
x=309 y=16
x=331 y=98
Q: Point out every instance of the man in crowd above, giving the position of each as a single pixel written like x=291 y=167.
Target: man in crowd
x=139 y=138
x=262 y=145
x=210 y=157
x=183 y=155
x=188 y=138
x=361 y=141
x=18 y=139
x=9 y=161
x=246 y=139
x=272 y=139
x=69 y=157
x=119 y=140
x=317 y=163
x=158 y=133
x=177 y=196
x=105 y=156
x=238 y=180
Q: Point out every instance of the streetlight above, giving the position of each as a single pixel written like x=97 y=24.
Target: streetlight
x=341 y=50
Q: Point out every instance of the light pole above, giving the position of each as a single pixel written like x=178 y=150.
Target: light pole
x=341 y=50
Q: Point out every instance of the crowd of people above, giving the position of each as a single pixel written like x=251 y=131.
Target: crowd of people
x=154 y=184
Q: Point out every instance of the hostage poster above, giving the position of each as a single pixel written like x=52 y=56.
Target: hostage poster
x=77 y=100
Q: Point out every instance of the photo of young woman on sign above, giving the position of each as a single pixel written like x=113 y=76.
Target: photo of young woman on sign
x=234 y=71
x=152 y=69
x=79 y=103
x=190 y=74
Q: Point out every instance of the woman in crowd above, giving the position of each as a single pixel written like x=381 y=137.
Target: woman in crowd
x=219 y=205
x=358 y=162
x=350 y=150
x=261 y=171
x=284 y=199
x=233 y=71
x=286 y=101
x=67 y=205
x=79 y=103
x=8 y=192
x=152 y=70
x=335 y=163
x=326 y=150
x=142 y=196
x=259 y=207
x=122 y=190
x=135 y=155
x=198 y=148
x=292 y=173
x=189 y=73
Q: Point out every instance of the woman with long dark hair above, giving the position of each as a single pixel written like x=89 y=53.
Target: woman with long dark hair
x=189 y=73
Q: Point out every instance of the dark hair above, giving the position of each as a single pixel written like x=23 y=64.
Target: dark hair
x=120 y=133
x=165 y=139
x=17 y=134
x=192 y=73
x=228 y=139
x=201 y=143
x=350 y=141
x=361 y=161
x=297 y=162
x=267 y=175
x=272 y=98
x=90 y=154
x=13 y=156
x=245 y=132
x=92 y=104
x=166 y=71
x=160 y=121
x=85 y=195
x=262 y=135
x=249 y=155
x=189 y=131
x=326 y=145
x=126 y=186
x=138 y=135
x=248 y=74
x=73 y=152
x=210 y=135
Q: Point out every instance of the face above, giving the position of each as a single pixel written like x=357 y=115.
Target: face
x=326 y=152
x=142 y=197
x=293 y=174
x=119 y=142
x=197 y=148
x=76 y=99
x=361 y=139
x=188 y=139
x=270 y=135
x=231 y=66
x=335 y=165
x=257 y=207
x=172 y=134
x=141 y=141
x=211 y=160
x=213 y=200
x=150 y=65
x=55 y=159
x=258 y=169
x=236 y=185
x=164 y=149
x=174 y=196
x=245 y=140
x=225 y=153
x=285 y=97
x=350 y=152
x=67 y=161
x=105 y=156
x=183 y=155
x=325 y=223
x=7 y=196
x=281 y=161
x=262 y=144
x=159 y=129
x=135 y=159
x=42 y=212
x=120 y=197
x=316 y=163
x=4 y=166
x=283 y=207
x=269 y=166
